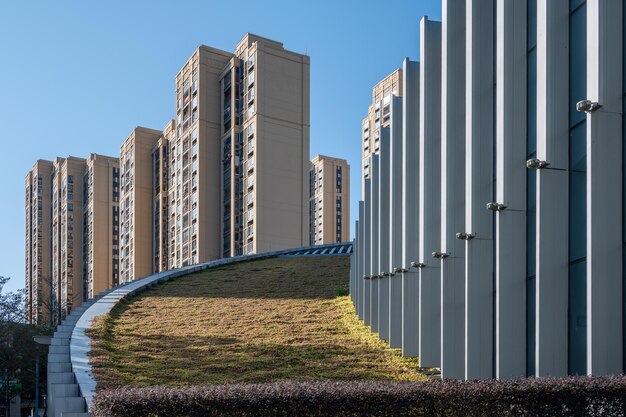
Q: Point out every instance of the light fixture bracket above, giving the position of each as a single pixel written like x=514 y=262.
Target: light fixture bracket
x=493 y=206
x=536 y=163
x=588 y=106
x=465 y=236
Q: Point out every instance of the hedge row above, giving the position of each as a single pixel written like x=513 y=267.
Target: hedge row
x=571 y=396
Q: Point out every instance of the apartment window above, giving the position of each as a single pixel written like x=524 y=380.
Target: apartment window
x=338 y=179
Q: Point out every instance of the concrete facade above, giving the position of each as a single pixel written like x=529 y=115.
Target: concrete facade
x=429 y=207
x=520 y=171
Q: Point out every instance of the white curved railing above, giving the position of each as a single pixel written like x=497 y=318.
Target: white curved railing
x=71 y=384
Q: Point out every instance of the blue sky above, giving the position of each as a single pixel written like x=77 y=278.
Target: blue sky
x=77 y=76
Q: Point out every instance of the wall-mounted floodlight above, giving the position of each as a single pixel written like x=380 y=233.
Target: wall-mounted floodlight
x=465 y=236
x=493 y=206
x=418 y=264
x=587 y=106
x=440 y=255
x=399 y=270
x=536 y=164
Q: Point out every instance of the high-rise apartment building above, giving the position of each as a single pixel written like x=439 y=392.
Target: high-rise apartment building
x=239 y=162
x=101 y=184
x=329 y=203
x=161 y=188
x=195 y=159
x=71 y=234
x=136 y=204
x=228 y=176
x=38 y=269
x=67 y=235
x=378 y=117
x=266 y=140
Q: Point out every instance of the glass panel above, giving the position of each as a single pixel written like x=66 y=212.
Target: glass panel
x=577 y=213
x=577 y=343
x=577 y=318
x=531 y=144
x=532 y=24
x=624 y=193
x=578 y=148
x=531 y=220
x=531 y=189
x=530 y=326
x=575 y=3
x=578 y=63
x=624 y=173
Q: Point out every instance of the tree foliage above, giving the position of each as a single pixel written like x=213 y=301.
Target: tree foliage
x=18 y=350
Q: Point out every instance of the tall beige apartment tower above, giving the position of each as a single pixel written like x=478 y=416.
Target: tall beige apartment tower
x=239 y=162
x=101 y=224
x=71 y=234
x=195 y=160
x=265 y=148
x=37 y=272
x=67 y=235
x=161 y=189
x=378 y=117
x=329 y=203
x=136 y=207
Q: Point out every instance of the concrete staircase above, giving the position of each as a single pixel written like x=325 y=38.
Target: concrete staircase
x=64 y=396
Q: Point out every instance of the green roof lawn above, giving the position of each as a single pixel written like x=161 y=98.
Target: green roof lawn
x=260 y=321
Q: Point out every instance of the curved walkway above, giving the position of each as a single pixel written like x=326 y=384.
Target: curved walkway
x=71 y=385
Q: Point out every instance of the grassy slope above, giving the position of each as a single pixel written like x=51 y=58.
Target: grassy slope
x=262 y=321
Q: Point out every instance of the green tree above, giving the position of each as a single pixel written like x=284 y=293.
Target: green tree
x=18 y=350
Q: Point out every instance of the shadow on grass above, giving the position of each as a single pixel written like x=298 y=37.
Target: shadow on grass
x=291 y=278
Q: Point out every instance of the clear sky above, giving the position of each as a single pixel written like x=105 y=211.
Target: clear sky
x=77 y=76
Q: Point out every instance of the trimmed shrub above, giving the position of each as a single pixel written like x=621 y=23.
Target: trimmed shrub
x=570 y=396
